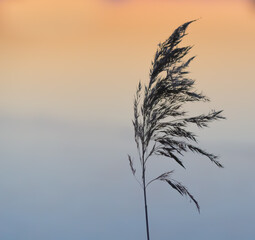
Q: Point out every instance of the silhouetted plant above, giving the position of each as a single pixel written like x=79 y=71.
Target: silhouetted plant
x=160 y=123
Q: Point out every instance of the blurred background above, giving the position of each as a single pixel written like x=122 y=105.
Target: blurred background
x=69 y=70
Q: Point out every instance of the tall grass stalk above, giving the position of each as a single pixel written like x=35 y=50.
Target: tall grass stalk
x=160 y=121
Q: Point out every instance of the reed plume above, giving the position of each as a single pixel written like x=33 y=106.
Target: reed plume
x=160 y=121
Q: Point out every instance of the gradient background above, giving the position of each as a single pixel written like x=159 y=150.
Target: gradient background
x=69 y=70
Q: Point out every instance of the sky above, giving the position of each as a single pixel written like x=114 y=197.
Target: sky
x=69 y=70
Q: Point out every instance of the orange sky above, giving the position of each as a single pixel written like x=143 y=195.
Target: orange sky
x=56 y=55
